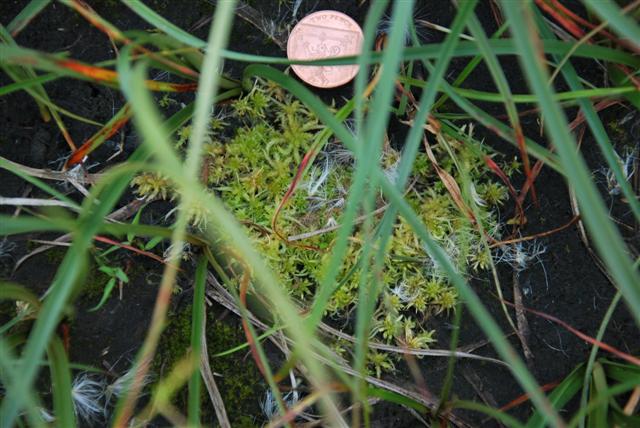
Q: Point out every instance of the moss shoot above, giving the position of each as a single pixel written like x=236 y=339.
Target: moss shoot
x=238 y=379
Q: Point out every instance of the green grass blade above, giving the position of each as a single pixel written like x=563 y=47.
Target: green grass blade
x=594 y=352
x=153 y=18
x=27 y=83
x=393 y=397
x=479 y=312
x=61 y=384
x=197 y=318
x=560 y=396
x=8 y=364
x=468 y=69
x=327 y=283
x=597 y=128
x=464 y=49
x=25 y=16
x=502 y=130
x=606 y=237
x=493 y=97
x=223 y=226
x=496 y=414
x=143 y=107
x=26 y=73
x=620 y=388
x=624 y=25
x=619 y=78
x=371 y=135
x=11 y=291
x=62 y=286
x=598 y=417
x=25 y=224
x=104 y=195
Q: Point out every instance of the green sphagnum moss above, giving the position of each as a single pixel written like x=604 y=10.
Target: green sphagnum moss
x=239 y=381
x=252 y=167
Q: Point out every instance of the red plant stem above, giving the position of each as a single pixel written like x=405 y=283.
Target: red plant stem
x=615 y=351
x=537 y=235
x=525 y=160
x=105 y=133
x=498 y=171
x=130 y=248
x=567 y=23
x=573 y=125
x=99 y=74
x=94 y=19
x=65 y=331
x=578 y=19
x=308 y=157
x=525 y=397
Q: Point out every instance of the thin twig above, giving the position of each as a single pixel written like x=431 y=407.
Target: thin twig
x=478 y=386
x=122 y=213
x=442 y=29
x=521 y=319
x=35 y=202
x=536 y=235
x=84 y=178
x=411 y=351
x=335 y=227
x=222 y=296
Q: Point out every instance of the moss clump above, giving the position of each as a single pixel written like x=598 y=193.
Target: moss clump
x=251 y=163
x=55 y=254
x=240 y=382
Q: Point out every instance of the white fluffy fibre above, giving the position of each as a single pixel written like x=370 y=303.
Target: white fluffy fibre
x=521 y=254
x=269 y=405
x=88 y=394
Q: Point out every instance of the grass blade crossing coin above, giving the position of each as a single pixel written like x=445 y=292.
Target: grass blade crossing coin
x=325 y=34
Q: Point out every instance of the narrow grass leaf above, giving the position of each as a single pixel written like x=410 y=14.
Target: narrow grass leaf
x=61 y=384
x=624 y=25
x=480 y=313
x=197 y=318
x=560 y=396
x=607 y=239
x=464 y=49
x=26 y=15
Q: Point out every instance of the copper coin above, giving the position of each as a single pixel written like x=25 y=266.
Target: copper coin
x=325 y=34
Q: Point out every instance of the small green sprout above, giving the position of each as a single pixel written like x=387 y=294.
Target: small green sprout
x=378 y=363
x=150 y=185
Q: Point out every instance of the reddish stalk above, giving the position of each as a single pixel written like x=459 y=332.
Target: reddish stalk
x=573 y=125
x=522 y=146
x=99 y=74
x=562 y=19
x=512 y=191
x=559 y=13
x=615 y=351
x=114 y=34
x=308 y=157
x=525 y=397
x=130 y=248
x=537 y=235
x=578 y=19
x=98 y=138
